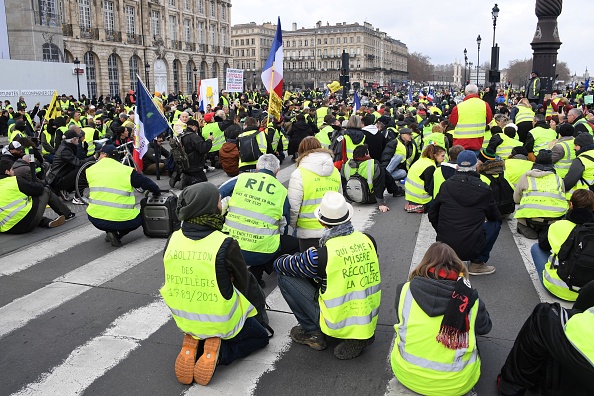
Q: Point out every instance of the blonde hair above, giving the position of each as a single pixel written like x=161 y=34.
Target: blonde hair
x=439 y=256
x=437 y=128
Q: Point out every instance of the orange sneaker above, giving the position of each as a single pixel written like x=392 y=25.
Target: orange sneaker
x=184 y=364
x=206 y=364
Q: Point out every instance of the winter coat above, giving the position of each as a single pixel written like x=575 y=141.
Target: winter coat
x=459 y=211
x=318 y=161
x=375 y=141
x=196 y=148
x=65 y=161
x=299 y=131
x=229 y=157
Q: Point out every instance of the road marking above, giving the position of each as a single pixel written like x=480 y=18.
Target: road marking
x=93 y=359
x=241 y=377
x=23 y=259
x=22 y=310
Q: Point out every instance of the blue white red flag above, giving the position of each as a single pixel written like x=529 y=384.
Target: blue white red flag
x=410 y=95
x=149 y=122
x=272 y=73
x=587 y=85
x=356 y=102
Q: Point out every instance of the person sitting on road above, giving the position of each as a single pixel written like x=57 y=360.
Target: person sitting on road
x=327 y=296
x=420 y=176
x=149 y=164
x=541 y=195
x=545 y=252
x=262 y=234
x=439 y=316
x=516 y=165
x=229 y=153
x=112 y=204
x=581 y=170
x=445 y=170
x=400 y=154
x=197 y=148
x=23 y=203
x=368 y=169
x=231 y=292
x=553 y=350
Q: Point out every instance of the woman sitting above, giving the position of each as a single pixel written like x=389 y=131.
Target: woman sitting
x=417 y=188
x=439 y=315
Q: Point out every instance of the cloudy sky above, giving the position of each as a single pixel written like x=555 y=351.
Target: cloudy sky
x=439 y=29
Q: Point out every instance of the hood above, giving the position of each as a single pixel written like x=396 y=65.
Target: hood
x=356 y=135
x=319 y=162
x=432 y=295
x=371 y=129
x=463 y=198
x=538 y=173
x=493 y=167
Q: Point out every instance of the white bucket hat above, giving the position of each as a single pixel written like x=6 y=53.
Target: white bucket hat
x=334 y=209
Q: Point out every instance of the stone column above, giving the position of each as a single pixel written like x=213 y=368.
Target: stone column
x=546 y=43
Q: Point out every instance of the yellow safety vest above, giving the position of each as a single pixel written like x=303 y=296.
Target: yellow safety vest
x=13 y=133
x=277 y=137
x=401 y=150
x=587 y=175
x=323 y=137
x=350 y=146
x=524 y=114
x=14 y=205
x=472 y=115
x=89 y=136
x=192 y=293
x=255 y=211
x=585 y=123
x=504 y=150
x=320 y=114
x=558 y=233
x=578 y=331
x=514 y=169
x=262 y=145
x=542 y=138
x=549 y=111
x=111 y=194
x=314 y=188
x=543 y=198
x=217 y=135
x=414 y=188
x=423 y=364
x=439 y=139
x=438 y=179
x=366 y=170
x=350 y=304
x=562 y=166
x=48 y=140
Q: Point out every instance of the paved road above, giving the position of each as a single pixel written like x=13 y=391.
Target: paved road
x=79 y=316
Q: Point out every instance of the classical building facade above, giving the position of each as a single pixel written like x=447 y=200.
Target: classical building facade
x=312 y=56
x=169 y=43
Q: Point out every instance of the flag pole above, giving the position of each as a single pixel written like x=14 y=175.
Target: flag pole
x=270 y=94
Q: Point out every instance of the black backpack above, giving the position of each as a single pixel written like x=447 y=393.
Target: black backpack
x=357 y=189
x=503 y=193
x=576 y=256
x=249 y=151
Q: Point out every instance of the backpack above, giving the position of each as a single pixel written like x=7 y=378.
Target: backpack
x=178 y=153
x=576 y=256
x=357 y=189
x=249 y=151
x=503 y=193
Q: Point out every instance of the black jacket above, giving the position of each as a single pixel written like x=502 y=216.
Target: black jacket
x=149 y=157
x=299 y=131
x=459 y=211
x=390 y=150
x=196 y=148
x=65 y=161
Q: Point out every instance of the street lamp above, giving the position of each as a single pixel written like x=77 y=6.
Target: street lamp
x=470 y=71
x=147 y=69
x=254 y=81
x=76 y=63
x=494 y=72
x=478 y=57
x=494 y=15
x=465 y=66
x=195 y=70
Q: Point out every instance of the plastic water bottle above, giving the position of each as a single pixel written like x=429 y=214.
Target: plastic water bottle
x=402 y=181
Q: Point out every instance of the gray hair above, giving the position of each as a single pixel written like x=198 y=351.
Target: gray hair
x=354 y=122
x=539 y=118
x=268 y=162
x=221 y=114
x=575 y=112
x=471 y=89
x=466 y=168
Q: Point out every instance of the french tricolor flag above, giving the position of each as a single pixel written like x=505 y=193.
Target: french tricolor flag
x=272 y=74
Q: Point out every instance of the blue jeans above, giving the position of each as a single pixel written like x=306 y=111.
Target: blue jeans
x=540 y=258
x=253 y=336
x=491 y=229
x=397 y=174
x=301 y=296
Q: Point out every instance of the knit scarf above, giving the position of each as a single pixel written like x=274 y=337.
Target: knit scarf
x=455 y=326
x=210 y=220
x=339 y=230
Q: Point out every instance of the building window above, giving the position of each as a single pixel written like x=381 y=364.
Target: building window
x=47 y=13
x=213 y=35
x=253 y=52
x=134 y=61
x=190 y=77
x=89 y=60
x=223 y=12
x=331 y=40
x=84 y=10
x=130 y=20
x=212 y=9
x=51 y=52
x=242 y=53
x=200 y=32
x=203 y=67
x=108 y=19
x=176 y=76
x=155 y=21
x=215 y=70
x=201 y=6
x=171 y=3
x=172 y=27
x=113 y=75
x=358 y=39
x=187 y=5
x=242 y=42
x=253 y=41
x=187 y=31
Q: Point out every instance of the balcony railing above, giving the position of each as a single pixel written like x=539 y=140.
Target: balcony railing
x=203 y=48
x=67 y=30
x=215 y=49
x=112 y=35
x=176 y=44
x=190 y=46
x=45 y=18
x=89 y=33
x=134 y=38
x=227 y=50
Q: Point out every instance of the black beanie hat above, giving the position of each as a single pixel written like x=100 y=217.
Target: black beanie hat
x=544 y=157
x=565 y=129
x=521 y=150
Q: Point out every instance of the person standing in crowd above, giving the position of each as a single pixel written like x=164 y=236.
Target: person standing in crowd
x=470 y=119
x=111 y=200
x=23 y=203
x=299 y=131
x=226 y=282
x=344 y=306
x=314 y=176
x=465 y=215
x=439 y=316
x=417 y=188
x=553 y=351
x=533 y=88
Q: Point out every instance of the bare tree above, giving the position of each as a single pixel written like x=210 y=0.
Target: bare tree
x=419 y=67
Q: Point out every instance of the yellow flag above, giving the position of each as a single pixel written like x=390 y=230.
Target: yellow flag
x=334 y=86
x=54 y=109
x=286 y=96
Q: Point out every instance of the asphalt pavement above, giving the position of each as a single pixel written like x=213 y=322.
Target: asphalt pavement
x=80 y=316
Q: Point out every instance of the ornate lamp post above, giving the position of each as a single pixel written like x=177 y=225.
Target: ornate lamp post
x=478 y=57
x=195 y=70
x=494 y=75
x=465 y=66
x=76 y=69
x=147 y=69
